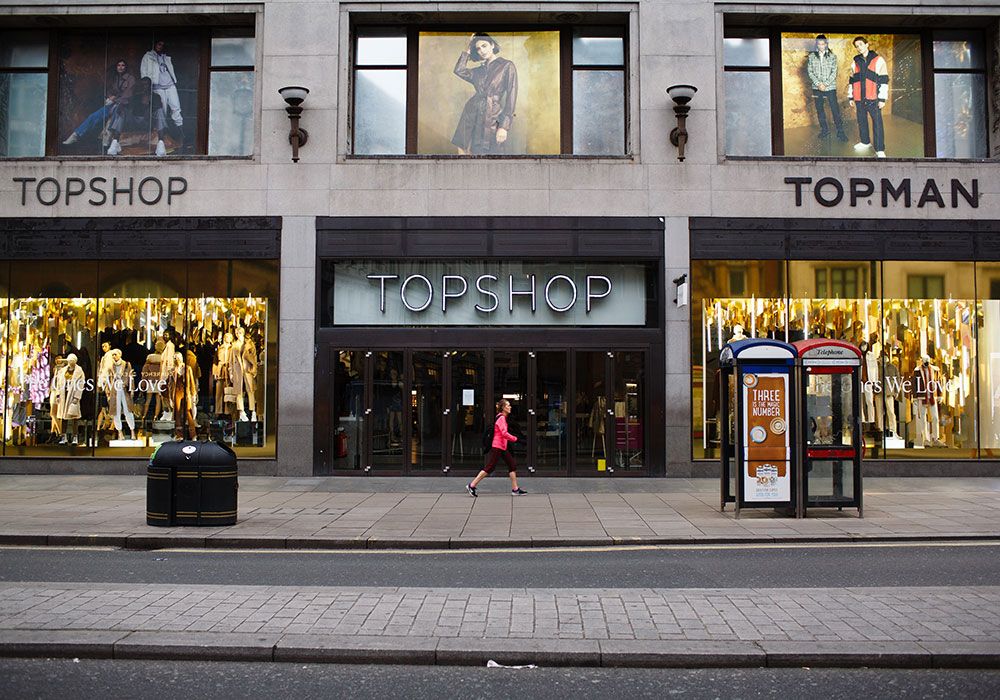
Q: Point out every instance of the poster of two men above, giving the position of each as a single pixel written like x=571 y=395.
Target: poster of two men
x=852 y=95
x=129 y=93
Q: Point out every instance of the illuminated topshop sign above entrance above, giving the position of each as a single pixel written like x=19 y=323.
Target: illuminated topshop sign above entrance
x=486 y=293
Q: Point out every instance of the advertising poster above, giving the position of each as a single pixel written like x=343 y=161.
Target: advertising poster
x=766 y=476
x=850 y=95
x=128 y=93
x=488 y=93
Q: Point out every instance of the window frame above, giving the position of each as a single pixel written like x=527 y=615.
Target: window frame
x=204 y=35
x=566 y=70
x=927 y=72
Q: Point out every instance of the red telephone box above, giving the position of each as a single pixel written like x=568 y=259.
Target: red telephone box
x=830 y=395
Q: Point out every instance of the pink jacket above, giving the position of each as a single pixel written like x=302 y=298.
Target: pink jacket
x=500 y=435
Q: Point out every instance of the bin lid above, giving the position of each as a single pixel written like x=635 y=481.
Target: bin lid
x=757 y=349
x=823 y=351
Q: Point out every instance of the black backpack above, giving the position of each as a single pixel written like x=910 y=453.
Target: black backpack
x=488 y=435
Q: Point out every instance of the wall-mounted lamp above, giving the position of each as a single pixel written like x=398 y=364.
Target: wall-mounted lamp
x=681 y=95
x=681 y=290
x=294 y=96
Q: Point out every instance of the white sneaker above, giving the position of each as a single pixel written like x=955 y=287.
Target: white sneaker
x=862 y=146
x=72 y=138
x=161 y=148
x=880 y=154
x=115 y=148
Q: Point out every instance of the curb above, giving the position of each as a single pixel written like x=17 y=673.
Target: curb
x=462 y=651
x=196 y=541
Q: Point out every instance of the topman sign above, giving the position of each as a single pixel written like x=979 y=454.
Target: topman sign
x=905 y=192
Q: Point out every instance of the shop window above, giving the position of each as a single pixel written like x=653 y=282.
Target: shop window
x=489 y=91
x=859 y=93
x=916 y=323
x=113 y=358
x=24 y=81
x=721 y=313
x=842 y=308
x=988 y=282
x=127 y=92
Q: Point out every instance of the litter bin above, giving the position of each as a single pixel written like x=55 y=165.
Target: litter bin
x=191 y=483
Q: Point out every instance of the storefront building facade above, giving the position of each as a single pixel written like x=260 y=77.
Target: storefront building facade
x=515 y=225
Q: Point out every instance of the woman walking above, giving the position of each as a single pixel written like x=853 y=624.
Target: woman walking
x=501 y=436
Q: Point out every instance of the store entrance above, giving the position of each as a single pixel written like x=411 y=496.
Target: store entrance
x=424 y=411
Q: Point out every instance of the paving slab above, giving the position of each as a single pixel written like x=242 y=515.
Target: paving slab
x=346 y=649
x=208 y=646
x=681 y=654
x=90 y=644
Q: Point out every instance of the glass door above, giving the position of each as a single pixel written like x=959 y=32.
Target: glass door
x=386 y=418
x=592 y=413
x=552 y=417
x=468 y=409
x=629 y=410
x=510 y=381
x=347 y=410
x=427 y=405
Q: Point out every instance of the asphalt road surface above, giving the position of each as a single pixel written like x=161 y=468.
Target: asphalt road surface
x=739 y=566
x=62 y=678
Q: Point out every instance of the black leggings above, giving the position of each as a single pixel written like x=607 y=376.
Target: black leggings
x=495 y=454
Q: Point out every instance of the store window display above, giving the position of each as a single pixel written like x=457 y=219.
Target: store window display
x=988 y=288
x=154 y=375
x=918 y=344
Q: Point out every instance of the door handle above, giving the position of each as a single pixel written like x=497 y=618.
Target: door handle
x=368 y=411
x=531 y=411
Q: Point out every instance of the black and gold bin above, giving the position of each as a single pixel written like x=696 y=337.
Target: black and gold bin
x=191 y=483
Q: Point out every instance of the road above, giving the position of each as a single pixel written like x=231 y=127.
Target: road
x=954 y=564
x=131 y=679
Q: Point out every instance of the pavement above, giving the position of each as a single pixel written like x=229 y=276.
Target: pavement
x=435 y=512
x=920 y=627
x=900 y=627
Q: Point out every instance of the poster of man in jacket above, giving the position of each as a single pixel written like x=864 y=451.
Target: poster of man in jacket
x=488 y=93
x=852 y=95
x=127 y=92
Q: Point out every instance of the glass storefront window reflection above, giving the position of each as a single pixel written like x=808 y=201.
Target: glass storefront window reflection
x=916 y=323
x=49 y=392
x=988 y=287
x=111 y=359
x=731 y=300
x=840 y=300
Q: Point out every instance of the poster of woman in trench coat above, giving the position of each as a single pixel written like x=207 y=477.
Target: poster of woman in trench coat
x=488 y=116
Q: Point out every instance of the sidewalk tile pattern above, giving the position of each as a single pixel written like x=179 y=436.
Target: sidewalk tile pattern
x=917 y=614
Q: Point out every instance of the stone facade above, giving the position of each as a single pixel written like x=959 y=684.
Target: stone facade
x=307 y=43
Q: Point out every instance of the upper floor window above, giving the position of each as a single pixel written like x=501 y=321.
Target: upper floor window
x=489 y=91
x=126 y=92
x=858 y=93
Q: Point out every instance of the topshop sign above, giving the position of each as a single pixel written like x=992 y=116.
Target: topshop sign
x=481 y=293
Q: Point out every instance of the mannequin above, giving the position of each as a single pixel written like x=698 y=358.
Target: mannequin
x=250 y=376
x=926 y=393
x=151 y=376
x=120 y=394
x=180 y=384
x=870 y=369
x=236 y=373
x=71 y=388
x=892 y=388
x=220 y=372
x=737 y=334
x=597 y=416
x=166 y=363
x=55 y=396
x=192 y=381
